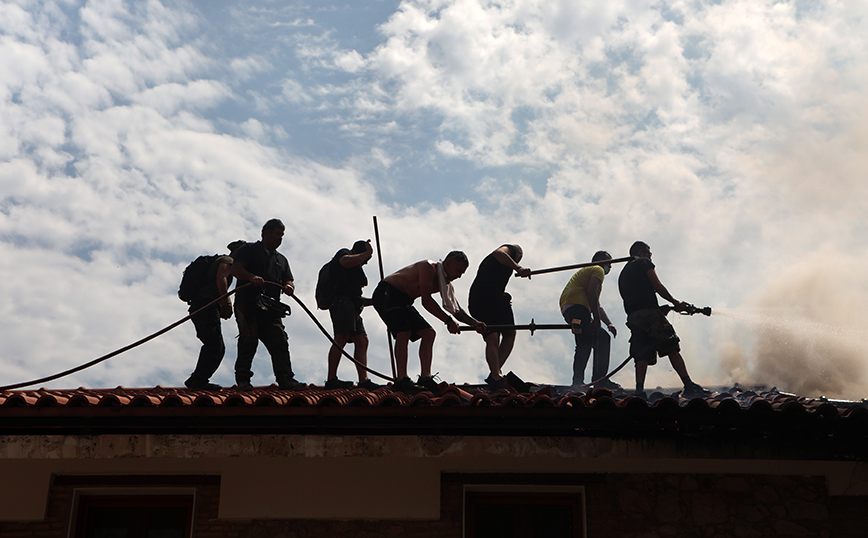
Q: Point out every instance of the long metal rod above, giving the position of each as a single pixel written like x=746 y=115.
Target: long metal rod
x=382 y=277
x=579 y=266
x=532 y=326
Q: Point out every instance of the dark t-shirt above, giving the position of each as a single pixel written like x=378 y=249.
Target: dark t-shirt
x=635 y=286
x=273 y=267
x=209 y=291
x=492 y=276
x=348 y=281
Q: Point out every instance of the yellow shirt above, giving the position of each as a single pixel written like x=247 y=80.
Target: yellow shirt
x=576 y=289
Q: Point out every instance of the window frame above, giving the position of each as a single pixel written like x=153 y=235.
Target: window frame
x=524 y=494
x=85 y=498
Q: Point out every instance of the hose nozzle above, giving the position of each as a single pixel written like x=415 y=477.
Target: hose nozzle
x=687 y=310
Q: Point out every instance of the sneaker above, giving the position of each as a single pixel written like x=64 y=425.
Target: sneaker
x=406 y=385
x=369 y=385
x=607 y=384
x=335 y=383
x=694 y=390
x=193 y=384
x=429 y=383
x=496 y=384
x=290 y=383
x=243 y=385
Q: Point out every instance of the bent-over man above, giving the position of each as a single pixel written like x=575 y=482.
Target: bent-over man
x=393 y=299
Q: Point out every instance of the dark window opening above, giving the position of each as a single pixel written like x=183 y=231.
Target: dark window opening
x=134 y=516
x=523 y=514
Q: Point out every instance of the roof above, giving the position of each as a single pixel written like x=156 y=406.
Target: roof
x=822 y=427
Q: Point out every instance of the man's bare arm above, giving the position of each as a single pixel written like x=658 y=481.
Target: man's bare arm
x=223 y=271
x=241 y=273
x=660 y=288
x=353 y=260
x=502 y=255
x=608 y=322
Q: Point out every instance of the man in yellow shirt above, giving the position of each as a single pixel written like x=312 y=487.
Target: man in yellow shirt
x=580 y=301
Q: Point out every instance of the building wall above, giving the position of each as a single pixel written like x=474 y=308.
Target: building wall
x=273 y=485
x=617 y=505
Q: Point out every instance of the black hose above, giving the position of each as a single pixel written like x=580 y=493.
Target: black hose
x=172 y=326
x=332 y=340
x=613 y=372
x=123 y=349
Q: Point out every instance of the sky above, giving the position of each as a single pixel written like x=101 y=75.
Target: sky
x=730 y=135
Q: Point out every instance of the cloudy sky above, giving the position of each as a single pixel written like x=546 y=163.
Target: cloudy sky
x=730 y=135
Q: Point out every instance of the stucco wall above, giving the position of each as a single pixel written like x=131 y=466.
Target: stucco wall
x=346 y=477
x=631 y=505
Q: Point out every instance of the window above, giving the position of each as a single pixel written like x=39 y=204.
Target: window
x=505 y=511
x=134 y=516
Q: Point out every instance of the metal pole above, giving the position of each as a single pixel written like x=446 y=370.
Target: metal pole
x=532 y=326
x=579 y=265
x=382 y=277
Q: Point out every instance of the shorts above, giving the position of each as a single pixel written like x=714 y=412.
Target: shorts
x=346 y=316
x=397 y=311
x=493 y=310
x=651 y=334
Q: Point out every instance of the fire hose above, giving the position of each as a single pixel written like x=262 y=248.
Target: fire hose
x=686 y=309
x=277 y=306
x=274 y=304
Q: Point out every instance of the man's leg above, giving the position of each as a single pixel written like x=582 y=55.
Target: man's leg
x=334 y=359
x=402 y=342
x=507 y=341
x=641 y=370
x=426 y=350
x=248 y=341
x=584 y=341
x=691 y=388
x=213 y=348
x=492 y=355
x=273 y=336
x=360 y=353
x=602 y=345
x=678 y=365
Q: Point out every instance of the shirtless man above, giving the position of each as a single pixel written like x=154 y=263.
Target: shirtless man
x=393 y=299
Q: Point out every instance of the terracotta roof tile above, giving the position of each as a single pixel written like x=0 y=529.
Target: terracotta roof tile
x=465 y=408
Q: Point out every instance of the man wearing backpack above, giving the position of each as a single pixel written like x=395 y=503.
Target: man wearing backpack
x=340 y=290
x=260 y=264
x=211 y=284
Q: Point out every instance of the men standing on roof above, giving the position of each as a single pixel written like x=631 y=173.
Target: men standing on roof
x=490 y=303
x=651 y=332
x=393 y=299
x=347 y=278
x=260 y=263
x=207 y=322
x=580 y=306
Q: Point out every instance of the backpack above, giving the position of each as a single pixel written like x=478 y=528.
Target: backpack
x=194 y=277
x=325 y=287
